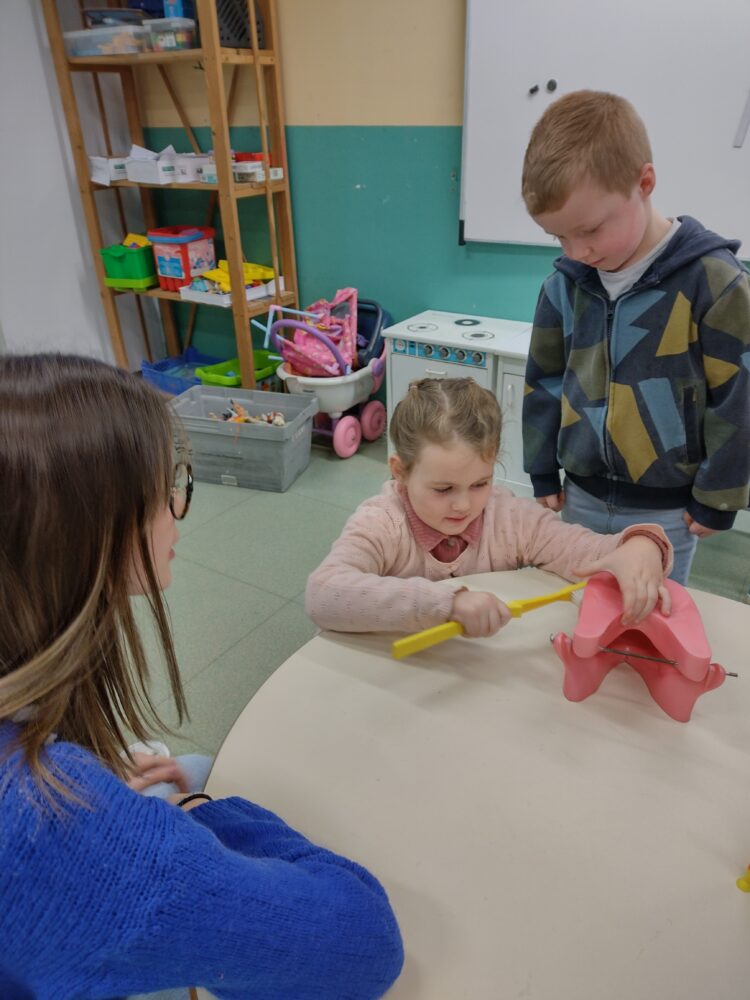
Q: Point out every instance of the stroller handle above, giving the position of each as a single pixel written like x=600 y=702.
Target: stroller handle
x=292 y=324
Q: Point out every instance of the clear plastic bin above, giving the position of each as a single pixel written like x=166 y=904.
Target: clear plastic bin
x=167 y=34
x=117 y=40
x=255 y=456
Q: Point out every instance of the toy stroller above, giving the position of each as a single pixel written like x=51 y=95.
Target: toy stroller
x=342 y=344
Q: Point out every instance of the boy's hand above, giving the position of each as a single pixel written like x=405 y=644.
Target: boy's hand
x=481 y=614
x=637 y=567
x=697 y=529
x=556 y=501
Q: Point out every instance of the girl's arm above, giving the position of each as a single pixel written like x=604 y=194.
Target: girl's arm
x=356 y=589
x=639 y=557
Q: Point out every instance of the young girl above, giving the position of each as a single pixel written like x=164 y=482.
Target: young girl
x=105 y=891
x=441 y=517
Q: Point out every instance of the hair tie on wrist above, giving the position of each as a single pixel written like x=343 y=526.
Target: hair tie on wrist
x=193 y=797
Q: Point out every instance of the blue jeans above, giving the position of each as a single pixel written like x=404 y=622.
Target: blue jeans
x=598 y=515
x=196 y=767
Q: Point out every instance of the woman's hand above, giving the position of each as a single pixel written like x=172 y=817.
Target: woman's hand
x=481 y=614
x=637 y=566
x=150 y=769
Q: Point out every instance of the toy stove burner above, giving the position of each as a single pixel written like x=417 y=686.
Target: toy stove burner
x=467 y=322
x=478 y=335
x=422 y=327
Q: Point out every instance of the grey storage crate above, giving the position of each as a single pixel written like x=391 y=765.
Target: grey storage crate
x=256 y=456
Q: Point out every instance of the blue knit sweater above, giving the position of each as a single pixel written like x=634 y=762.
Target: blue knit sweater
x=134 y=895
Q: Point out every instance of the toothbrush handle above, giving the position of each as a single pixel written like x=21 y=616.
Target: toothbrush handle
x=423 y=640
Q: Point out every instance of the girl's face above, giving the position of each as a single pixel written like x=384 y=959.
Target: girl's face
x=448 y=485
x=164 y=536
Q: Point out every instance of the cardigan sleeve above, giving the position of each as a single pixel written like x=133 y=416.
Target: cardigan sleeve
x=357 y=587
x=133 y=895
x=541 y=538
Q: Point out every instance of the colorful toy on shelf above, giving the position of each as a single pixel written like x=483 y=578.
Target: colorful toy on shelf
x=347 y=413
x=129 y=265
x=670 y=652
x=418 y=641
x=181 y=253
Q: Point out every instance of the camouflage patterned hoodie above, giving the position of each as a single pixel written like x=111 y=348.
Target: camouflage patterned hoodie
x=645 y=401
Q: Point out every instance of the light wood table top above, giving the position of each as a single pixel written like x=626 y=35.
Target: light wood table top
x=532 y=848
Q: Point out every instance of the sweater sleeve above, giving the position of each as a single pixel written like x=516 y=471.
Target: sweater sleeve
x=541 y=538
x=134 y=895
x=356 y=588
x=542 y=402
x=721 y=484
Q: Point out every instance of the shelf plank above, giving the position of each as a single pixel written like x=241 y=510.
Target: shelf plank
x=104 y=63
x=254 y=308
x=241 y=190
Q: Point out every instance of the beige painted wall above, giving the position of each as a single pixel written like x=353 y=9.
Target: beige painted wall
x=346 y=62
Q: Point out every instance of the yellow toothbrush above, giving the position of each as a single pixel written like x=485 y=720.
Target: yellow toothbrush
x=418 y=641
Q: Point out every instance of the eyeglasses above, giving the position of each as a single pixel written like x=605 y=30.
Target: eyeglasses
x=182 y=491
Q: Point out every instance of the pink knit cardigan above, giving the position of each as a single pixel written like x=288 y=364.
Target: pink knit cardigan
x=378 y=578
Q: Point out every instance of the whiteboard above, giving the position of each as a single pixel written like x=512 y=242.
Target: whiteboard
x=684 y=65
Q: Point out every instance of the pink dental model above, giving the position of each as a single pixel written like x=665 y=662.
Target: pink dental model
x=671 y=653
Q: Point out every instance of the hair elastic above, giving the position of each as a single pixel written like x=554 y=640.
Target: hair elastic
x=193 y=797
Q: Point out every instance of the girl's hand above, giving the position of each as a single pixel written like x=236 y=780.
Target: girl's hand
x=637 y=567
x=151 y=769
x=695 y=528
x=556 y=501
x=481 y=614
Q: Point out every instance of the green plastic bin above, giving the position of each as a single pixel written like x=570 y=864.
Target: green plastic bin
x=227 y=373
x=129 y=267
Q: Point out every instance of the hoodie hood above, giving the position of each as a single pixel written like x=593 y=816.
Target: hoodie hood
x=691 y=242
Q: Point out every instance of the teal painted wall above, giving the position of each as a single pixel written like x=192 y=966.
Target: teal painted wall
x=374 y=207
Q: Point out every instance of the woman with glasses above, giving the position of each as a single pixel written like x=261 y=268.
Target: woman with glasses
x=105 y=891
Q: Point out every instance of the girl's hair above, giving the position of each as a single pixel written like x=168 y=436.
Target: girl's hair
x=587 y=134
x=441 y=411
x=86 y=462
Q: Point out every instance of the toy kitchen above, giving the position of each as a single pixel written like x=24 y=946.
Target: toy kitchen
x=453 y=345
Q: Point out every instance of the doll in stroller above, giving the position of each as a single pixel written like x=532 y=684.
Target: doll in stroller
x=335 y=351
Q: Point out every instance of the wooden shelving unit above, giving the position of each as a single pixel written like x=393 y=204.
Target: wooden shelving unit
x=211 y=59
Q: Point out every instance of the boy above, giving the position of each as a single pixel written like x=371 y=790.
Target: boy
x=638 y=378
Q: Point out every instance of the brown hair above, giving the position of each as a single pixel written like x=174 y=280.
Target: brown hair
x=585 y=134
x=440 y=411
x=86 y=462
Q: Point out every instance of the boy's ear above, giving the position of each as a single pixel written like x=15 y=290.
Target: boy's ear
x=647 y=179
x=397 y=468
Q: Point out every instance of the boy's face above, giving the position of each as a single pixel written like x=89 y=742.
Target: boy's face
x=604 y=229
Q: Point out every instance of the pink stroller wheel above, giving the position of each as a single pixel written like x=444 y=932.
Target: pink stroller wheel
x=372 y=419
x=346 y=437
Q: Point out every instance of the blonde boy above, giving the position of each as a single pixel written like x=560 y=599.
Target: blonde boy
x=638 y=378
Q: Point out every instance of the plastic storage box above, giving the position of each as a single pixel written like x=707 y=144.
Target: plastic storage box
x=255 y=456
x=128 y=267
x=117 y=40
x=167 y=34
x=182 y=253
x=176 y=375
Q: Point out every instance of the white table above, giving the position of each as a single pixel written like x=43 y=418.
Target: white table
x=532 y=848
